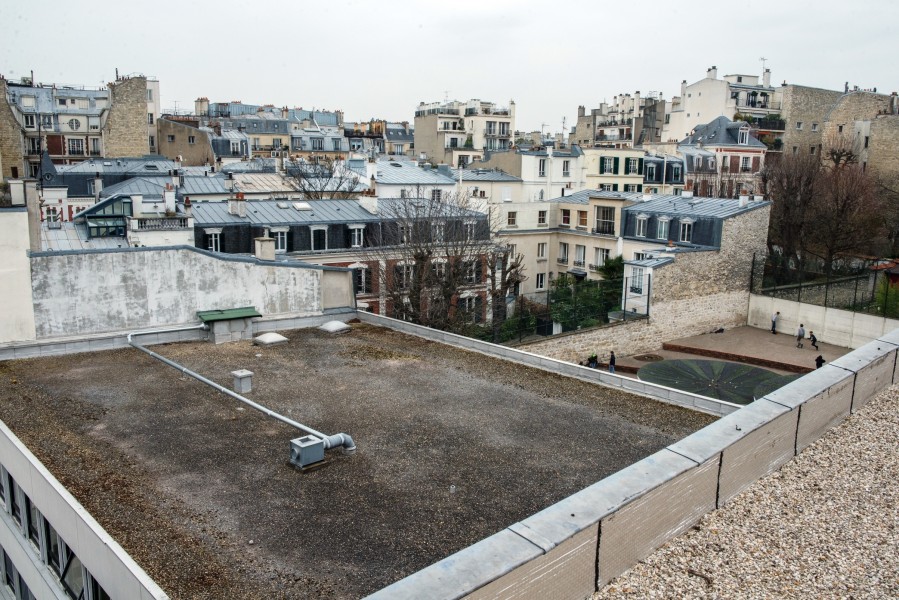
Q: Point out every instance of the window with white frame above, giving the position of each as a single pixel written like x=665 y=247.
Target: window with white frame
x=641 y=226
x=191 y=139
x=686 y=231
x=600 y=256
x=633 y=165
x=744 y=136
x=471 y=307
x=799 y=125
x=214 y=240
x=319 y=237
x=437 y=232
x=608 y=165
x=511 y=218
x=636 y=282
x=566 y=216
x=631 y=187
x=541 y=168
x=435 y=195
x=605 y=220
x=563 y=252
x=541 y=217
x=675 y=172
x=34 y=145
x=662 y=229
x=472 y=273
x=639 y=255
x=76 y=147
x=541 y=250
x=697 y=162
x=582 y=218
x=29 y=121
x=362 y=280
x=540 y=282
x=404 y=274
x=149 y=118
x=356 y=236
x=745 y=163
x=280 y=235
x=565 y=168
x=318 y=144
x=650 y=172
x=470 y=230
x=606 y=187
x=580 y=255
x=335 y=143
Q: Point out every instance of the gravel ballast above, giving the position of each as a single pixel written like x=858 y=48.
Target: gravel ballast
x=826 y=525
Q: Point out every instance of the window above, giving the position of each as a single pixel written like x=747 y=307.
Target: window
x=795 y=149
x=61 y=101
x=662 y=230
x=149 y=95
x=541 y=217
x=335 y=143
x=566 y=217
x=280 y=241
x=76 y=147
x=435 y=195
x=363 y=280
x=15 y=509
x=606 y=187
x=29 y=121
x=320 y=237
x=470 y=230
x=405 y=274
x=563 y=253
x=191 y=139
x=633 y=165
x=276 y=143
x=632 y=187
x=403 y=234
x=641 y=227
x=639 y=255
x=686 y=231
x=866 y=141
x=511 y=218
x=582 y=218
x=34 y=145
x=437 y=232
x=839 y=129
x=541 y=169
x=650 y=172
x=151 y=141
x=745 y=163
x=149 y=118
x=744 y=137
x=600 y=256
x=565 y=170
x=541 y=250
x=675 y=172
x=580 y=255
x=471 y=307
x=607 y=165
x=811 y=150
x=318 y=144
x=799 y=125
x=472 y=272
x=697 y=162
x=541 y=281
x=356 y=237
x=34 y=170
x=33 y=516
x=636 y=283
x=170 y=138
x=814 y=127
x=74 y=124
x=213 y=242
x=605 y=220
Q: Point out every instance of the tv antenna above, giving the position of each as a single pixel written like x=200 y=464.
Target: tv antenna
x=764 y=60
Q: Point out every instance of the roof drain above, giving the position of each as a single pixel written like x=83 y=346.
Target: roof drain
x=304 y=451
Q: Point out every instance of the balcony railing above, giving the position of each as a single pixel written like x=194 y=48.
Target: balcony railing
x=562 y=260
x=159 y=224
x=604 y=228
x=594 y=268
x=771 y=124
x=578 y=263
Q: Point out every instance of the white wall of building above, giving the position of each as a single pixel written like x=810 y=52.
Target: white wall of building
x=17 y=323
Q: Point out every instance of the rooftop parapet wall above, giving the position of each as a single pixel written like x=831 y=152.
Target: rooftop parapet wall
x=626 y=516
x=91 y=292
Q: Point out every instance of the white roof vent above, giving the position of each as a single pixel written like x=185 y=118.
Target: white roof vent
x=283 y=205
x=301 y=206
x=335 y=327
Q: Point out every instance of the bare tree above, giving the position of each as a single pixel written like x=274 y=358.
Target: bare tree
x=437 y=262
x=323 y=178
x=790 y=183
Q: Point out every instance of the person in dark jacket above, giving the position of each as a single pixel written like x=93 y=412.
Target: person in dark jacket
x=612 y=362
x=813 y=339
x=819 y=362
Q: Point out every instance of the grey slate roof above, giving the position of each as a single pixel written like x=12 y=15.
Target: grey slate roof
x=45 y=100
x=720 y=132
x=154 y=186
x=135 y=166
x=404 y=172
x=652 y=262
x=679 y=206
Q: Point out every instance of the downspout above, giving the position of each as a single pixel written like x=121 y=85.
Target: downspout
x=330 y=441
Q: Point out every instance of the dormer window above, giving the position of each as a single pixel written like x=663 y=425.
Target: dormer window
x=712 y=162
x=744 y=136
x=697 y=162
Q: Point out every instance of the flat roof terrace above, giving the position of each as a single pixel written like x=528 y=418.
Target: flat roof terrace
x=198 y=488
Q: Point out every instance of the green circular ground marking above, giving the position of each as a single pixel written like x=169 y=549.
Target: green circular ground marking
x=731 y=382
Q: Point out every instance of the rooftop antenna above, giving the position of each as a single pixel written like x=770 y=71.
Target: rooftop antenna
x=763 y=59
x=445 y=96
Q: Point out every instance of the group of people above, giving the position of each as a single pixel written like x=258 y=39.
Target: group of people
x=800 y=338
x=593 y=362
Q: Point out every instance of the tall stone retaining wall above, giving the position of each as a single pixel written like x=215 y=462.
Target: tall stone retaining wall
x=12 y=144
x=125 y=129
x=576 y=546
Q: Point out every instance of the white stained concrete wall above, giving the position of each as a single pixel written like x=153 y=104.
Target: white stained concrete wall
x=83 y=293
x=17 y=323
x=831 y=325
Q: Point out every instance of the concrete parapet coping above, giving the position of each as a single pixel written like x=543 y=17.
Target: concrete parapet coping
x=817 y=382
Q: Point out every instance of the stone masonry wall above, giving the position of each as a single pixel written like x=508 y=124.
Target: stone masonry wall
x=11 y=144
x=698 y=293
x=197 y=154
x=883 y=159
x=125 y=130
x=808 y=106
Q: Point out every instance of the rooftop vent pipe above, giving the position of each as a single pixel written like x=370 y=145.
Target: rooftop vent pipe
x=304 y=451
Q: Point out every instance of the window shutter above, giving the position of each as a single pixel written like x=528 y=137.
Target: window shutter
x=615 y=185
x=627 y=166
x=639 y=187
x=602 y=165
x=615 y=166
x=756 y=162
x=640 y=166
x=478 y=271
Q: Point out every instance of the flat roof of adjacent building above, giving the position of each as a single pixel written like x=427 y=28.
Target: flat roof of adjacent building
x=452 y=445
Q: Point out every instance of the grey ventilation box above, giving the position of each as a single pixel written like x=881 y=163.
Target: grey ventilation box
x=307 y=450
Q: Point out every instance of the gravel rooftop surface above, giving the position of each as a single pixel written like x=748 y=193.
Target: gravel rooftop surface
x=826 y=525
x=198 y=488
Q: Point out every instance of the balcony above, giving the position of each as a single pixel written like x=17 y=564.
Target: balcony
x=578 y=263
x=604 y=228
x=162 y=223
x=562 y=260
x=594 y=268
x=770 y=124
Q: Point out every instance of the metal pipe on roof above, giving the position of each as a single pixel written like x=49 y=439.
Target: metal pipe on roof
x=330 y=441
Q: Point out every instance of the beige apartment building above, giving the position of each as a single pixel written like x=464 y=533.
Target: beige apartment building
x=458 y=133
x=614 y=169
x=627 y=121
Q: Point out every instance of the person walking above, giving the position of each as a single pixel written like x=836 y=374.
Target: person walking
x=813 y=340
x=800 y=335
x=774 y=319
x=612 y=362
x=819 y=362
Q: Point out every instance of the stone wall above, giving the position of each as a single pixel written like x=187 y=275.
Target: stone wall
x=808 y=106
x=11 y=144
x=192 y=155
x=125 y=130
x=883 y=159
x=697 y=293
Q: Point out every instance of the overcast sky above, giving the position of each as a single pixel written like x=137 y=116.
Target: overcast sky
x=380 y=59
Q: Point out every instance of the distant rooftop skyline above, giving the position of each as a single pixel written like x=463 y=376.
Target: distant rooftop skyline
x=379 y=60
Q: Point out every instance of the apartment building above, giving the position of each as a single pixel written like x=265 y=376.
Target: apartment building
x=72 y=122
x=627 y=121
x=458 y=133
x=723 y=158
x=614 y=169
x=545 y=171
